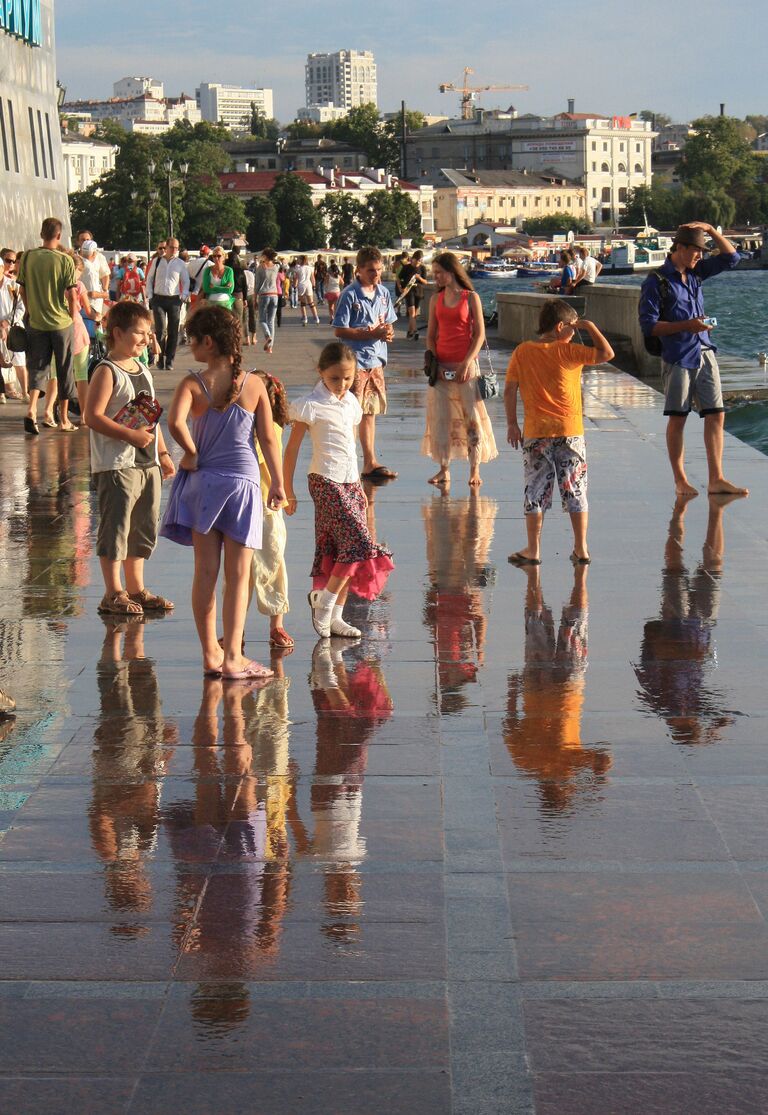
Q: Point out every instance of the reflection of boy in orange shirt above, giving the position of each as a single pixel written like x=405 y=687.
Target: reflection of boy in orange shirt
x=542 y=730
x=547 y=373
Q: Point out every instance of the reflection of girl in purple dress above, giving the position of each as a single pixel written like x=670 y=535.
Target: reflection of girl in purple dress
x=215 y=503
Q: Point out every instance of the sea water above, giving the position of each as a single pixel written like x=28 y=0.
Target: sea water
x=739 y=301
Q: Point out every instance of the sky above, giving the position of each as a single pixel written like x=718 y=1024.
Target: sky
x=613 y=58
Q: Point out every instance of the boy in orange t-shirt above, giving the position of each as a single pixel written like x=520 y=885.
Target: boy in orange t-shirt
x=547 y=373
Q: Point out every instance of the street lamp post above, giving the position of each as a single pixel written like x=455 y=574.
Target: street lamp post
x=183 y=167
x=149 y=201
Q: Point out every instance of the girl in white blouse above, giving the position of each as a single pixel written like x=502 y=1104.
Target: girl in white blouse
x=346 y=557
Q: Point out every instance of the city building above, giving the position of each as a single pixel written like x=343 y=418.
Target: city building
x=142 y=113
x=344 y=79
x=509 y=197
x=761 y=143
x=128 y=87
x=231 y=105
x=294 y=154
x=320 y=114
x=85 y=160
x=607 y=155
x=673 y=137
x=32 y=183
x=327 y=181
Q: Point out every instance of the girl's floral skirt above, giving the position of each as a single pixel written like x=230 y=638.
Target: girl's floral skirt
x=343 y=543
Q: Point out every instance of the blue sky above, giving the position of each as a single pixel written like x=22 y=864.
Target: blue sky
x=612 y=57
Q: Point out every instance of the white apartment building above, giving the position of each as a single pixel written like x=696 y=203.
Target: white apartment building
x=85 y=160
x=231 y=104
x=143 y=113
x=320 y=114
x=128 y=87
x=344 y=79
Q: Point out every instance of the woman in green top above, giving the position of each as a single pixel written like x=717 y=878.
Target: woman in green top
x=218 y=282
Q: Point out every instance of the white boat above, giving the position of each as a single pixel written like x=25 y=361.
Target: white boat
x=648 y=251
x=493 y=269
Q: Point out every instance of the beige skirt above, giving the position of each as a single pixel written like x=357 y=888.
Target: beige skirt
x=458 y=426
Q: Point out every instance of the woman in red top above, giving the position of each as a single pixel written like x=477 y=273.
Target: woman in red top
x=458 y=426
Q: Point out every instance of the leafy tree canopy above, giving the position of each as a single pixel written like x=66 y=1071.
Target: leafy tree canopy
x=262 y=229
x=300 y=223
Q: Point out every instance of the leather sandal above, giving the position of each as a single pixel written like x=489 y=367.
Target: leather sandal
x=119 y=604
x=151 y=602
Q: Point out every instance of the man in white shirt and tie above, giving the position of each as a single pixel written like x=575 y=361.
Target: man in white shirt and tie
x=167 y=288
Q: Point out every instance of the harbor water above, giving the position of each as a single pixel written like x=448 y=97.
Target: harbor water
x=737 y=300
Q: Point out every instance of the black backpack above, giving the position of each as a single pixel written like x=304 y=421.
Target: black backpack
x=652 y=343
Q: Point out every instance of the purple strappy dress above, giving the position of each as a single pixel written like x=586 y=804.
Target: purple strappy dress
x=224 y=492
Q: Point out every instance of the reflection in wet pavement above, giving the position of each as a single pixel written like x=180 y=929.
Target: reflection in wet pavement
x=400 y=876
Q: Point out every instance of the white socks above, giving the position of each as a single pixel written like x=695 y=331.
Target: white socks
x=327 y=618
x=340 y=627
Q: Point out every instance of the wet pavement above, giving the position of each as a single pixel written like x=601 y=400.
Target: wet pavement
x=508 y=853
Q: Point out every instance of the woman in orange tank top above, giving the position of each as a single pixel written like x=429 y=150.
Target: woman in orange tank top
x=458 y=426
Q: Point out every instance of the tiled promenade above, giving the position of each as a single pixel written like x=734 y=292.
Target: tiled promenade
x=515 y=860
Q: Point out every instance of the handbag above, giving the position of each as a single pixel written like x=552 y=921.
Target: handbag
x=487 y=382
x=431 y=368
x=17 y=334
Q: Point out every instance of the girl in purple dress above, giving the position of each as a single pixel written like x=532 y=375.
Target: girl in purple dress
x=215 y=503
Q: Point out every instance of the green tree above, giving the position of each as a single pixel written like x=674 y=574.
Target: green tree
x=659 y=119
x=389 y=215
x=262 y=229
x=557 y=222
x=301 y=225
x=342 y=214
x=261 y=125
x=362 y=128
x=705 y=200
x=200 y=209
x=660 y=204
x=718 y=156
x=391 y=141
x=305 y=129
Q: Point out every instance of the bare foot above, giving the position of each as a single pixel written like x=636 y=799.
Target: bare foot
x=723 y=487
x=683 y=488
x=474 y=480
x=441 y=477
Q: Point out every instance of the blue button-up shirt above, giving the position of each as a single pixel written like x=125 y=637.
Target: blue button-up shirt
x=684 y=302
x=356 y=310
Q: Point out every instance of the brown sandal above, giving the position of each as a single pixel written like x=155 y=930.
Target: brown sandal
x=120 y=604
x=151 y=602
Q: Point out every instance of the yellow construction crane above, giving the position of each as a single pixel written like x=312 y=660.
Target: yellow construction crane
x=469 y=92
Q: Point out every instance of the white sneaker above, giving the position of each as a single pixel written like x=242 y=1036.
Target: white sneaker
x=321 y=617
x=3 y=400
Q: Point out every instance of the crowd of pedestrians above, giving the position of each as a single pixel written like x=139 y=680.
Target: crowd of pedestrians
x=68 y=317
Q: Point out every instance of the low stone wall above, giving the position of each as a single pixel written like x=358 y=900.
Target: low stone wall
x=612 y=308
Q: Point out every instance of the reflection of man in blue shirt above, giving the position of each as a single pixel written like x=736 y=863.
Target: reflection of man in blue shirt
x=363 y=320
x=672 y=309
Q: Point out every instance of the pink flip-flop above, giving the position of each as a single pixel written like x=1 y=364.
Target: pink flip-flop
x=252 y=670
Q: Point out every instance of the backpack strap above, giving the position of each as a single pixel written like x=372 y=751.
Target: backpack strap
x=663 y=282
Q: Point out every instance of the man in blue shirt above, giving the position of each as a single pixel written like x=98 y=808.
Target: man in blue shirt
x=672 y=309
x=364 y=318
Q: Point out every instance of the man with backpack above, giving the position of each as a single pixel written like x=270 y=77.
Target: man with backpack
x=675 y=328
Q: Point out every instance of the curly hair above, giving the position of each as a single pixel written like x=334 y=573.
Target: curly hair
x=278 y=399
x=224 y=330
